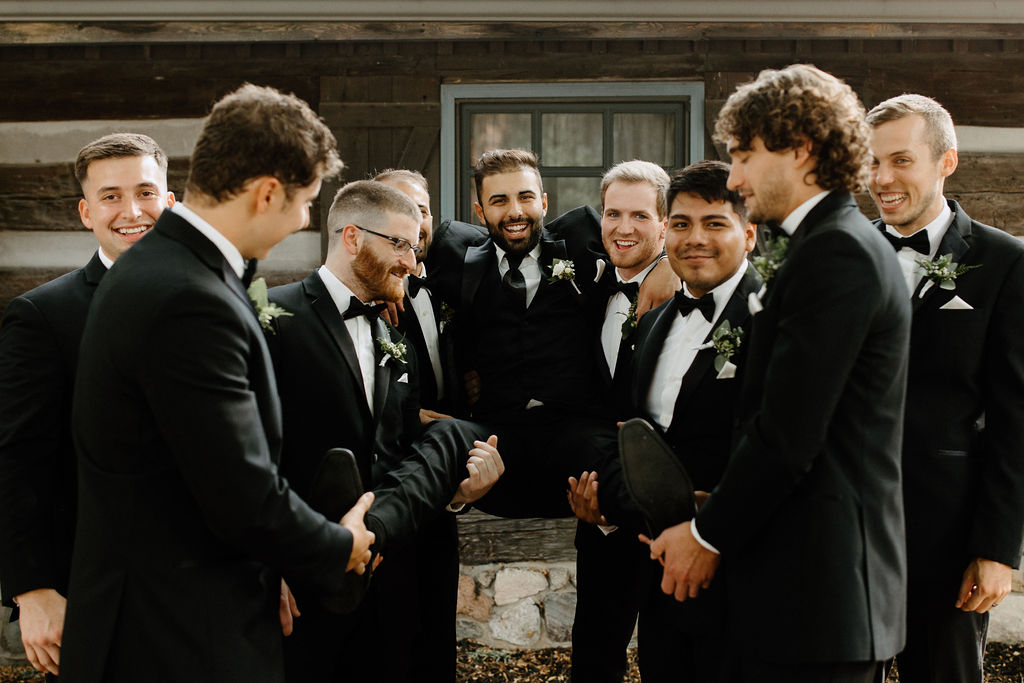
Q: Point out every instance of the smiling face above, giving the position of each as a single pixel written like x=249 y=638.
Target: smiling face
x=123 y=197
x=631 y=231
x=376 y=266
x=906 y=180
x=706 y=242
x=512 y=207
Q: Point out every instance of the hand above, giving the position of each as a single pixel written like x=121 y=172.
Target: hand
x=485 y=467
x=362 y=538
x=583 y=499
x=390 y=312
x=689 y=566
x=985 y=584
x=287 y=610
x=657 y=288
x=428 y=416
x=472 y=382
x=42 y=627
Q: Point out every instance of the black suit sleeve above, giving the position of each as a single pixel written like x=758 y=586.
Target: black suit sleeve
x=997 y=531
x=34 y=395
x=196 y=372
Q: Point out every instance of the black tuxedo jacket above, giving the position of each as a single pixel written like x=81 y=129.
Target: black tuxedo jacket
x=184 y=523
x=963 y=445
x=808 y=514
x=38 y=356
x=453 y=402
x=321 y=389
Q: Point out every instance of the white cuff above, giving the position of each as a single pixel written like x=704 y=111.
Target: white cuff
x=455 y=507
x=696 y=536
x=607 y=528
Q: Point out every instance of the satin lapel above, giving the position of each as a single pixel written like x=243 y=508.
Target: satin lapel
x=94 y=270
x=953 y=242
x=550 y=249
x=381 y=372
x=477 y=260
x=322 y=303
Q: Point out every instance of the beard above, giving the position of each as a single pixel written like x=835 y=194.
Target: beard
x=375 y=275
x=770 y=202
x=520 y=245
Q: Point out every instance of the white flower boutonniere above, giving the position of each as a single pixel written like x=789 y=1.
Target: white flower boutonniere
x=447 y=316
x=396 y=350
x=563 y=269
x=942 y=272
x=726 y=340
x=265 y=310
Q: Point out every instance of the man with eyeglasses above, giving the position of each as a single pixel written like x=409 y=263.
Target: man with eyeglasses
x=347 y=378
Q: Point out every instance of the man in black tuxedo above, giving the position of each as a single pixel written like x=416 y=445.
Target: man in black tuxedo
x=124 y=190
x=687 y=388
x=808 y=513
x=610 y=565
x=184 y=523
x=963 y=483
x=347 y=378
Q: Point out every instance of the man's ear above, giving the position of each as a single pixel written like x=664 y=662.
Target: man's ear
x=265 y=190
x=350 y=236
x=478 y=209
x=750 y=237
x=949 y=162
x=170 y=199
x=544 y=203
x=83 y=213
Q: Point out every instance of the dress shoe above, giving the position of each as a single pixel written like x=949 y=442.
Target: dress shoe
x=655 y=478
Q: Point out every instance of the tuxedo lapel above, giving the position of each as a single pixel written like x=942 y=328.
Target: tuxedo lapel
x=324 y=307
x=954 y=241
x=381 y=370
x=477 y=260
x=94 y=270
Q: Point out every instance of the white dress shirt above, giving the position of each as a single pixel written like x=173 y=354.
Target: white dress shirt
x=424 y=310
x=530 y=268
x=908 y=257
x=615 y=314
x=104 y=259
x=229 y=250
x=359 y=330
x=791 y=222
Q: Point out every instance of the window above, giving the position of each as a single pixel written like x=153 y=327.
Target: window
x=578 y=130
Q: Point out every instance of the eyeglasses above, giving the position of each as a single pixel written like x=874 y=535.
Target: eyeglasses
x=401 y=245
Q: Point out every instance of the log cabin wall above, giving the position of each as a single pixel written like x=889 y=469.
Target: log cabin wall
x=378 y=86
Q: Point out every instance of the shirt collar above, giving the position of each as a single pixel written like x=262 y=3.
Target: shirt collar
x=791 y=222
x=936 y=229
x=533 y=253
x=340 y=294
x=104 y=259
x=422 y=276
x=223 y=244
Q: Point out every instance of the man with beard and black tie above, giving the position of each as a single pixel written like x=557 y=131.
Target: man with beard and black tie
x=685 y=385
x=633 y=219
x=124 y=190
x=348 y=379
x=808 y=515
x=963 y=484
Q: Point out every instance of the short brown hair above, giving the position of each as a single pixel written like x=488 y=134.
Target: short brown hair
x=367 y=203
x=498 y=161
x=798 y=104
x=118 y=146
x=403 y=175
x=941 y=134
x=708 y=180
x=258 y=131
x=636 y=172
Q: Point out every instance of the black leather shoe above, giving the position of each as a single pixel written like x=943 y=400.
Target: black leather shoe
x=656 y=480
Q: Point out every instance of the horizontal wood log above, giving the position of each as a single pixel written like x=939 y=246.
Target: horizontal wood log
x=484 y=539
x=382 y=115
x=127 y=32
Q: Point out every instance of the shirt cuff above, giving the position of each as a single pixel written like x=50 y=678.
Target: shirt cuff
x=607 y=528
x=697 y=537
x=455 y=507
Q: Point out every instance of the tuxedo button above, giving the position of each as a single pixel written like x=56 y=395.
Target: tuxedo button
x=375 y=457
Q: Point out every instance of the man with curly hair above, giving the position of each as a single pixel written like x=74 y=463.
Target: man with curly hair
x=808 y=514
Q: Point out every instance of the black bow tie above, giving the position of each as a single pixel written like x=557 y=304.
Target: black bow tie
x=357 y=308
x=918 y=241
x=250 y=270
x=630 y=289
x=686 y=304
x=417 y=283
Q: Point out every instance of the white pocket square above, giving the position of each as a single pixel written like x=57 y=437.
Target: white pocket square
x=404 y=378
x=956 y=304
x=728 y=371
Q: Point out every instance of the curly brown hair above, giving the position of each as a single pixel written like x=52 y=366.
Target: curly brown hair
x=802 y=103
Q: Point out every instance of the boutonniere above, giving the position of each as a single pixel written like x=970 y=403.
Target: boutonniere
x=563 y=269
x=447 y=316
x=390 y=349
x=771 y=260
x=726 y=341
x=265 y=310
x=629 y=324
x=942 y=272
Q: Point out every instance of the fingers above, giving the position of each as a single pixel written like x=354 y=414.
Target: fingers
x=44 y=658
x=967 y=588
x=359 y=510
x=361 y=562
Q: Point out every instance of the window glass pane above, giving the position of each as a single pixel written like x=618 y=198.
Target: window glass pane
x=498 y=131
x=568 y=193
x=571 y=139
x=651 y=137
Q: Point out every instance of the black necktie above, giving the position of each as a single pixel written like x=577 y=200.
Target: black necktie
x=514 y=282
x=686 y=304
x=630 y=289
x=250 y=270
x=416 y=283
x=918 y=241
x=357 y=308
